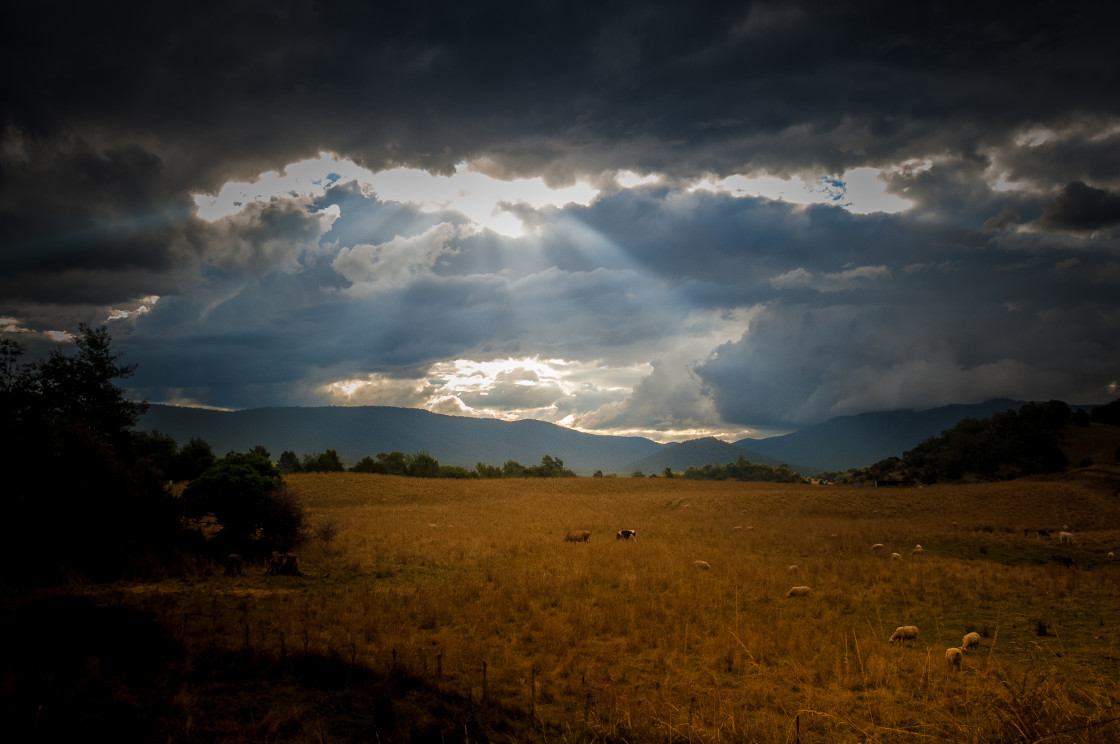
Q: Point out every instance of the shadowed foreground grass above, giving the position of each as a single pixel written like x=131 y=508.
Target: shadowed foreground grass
x=446 y=610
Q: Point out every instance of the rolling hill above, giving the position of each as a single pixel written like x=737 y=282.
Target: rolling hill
x=355 y=432
x=863 y=439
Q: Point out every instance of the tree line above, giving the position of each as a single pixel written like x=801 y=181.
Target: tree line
x=419 y=465
x=744 y=470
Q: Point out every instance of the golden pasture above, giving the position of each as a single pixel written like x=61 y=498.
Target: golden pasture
x=470 y=587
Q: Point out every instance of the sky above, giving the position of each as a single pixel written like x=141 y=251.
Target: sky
x=660 y=219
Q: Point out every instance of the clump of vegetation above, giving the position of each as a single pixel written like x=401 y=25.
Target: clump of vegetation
x=743 y=470
x=245 y=496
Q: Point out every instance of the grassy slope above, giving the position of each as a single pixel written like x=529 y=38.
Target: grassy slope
x=628 y=641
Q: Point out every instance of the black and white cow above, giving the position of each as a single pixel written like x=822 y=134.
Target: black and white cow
x=626 y=534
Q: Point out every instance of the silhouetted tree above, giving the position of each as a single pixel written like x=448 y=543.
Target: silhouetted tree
x=325 y=462
x=289 y=462
x=514 y=469
x=157 y=449
x=193 y=459
x=82 y=499
x=422 y=465
x=394 y=463
x=80 y=389
x=487 y=471
x=365 y=465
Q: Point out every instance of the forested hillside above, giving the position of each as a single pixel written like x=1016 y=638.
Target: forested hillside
x=1034 y=440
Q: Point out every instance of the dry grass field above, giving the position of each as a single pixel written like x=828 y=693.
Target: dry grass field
x=460 y=604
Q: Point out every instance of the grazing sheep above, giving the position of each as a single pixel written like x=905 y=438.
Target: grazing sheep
x=1065 y=537
x=876 y=546
x=798 y=591
x=918 y=550
x=971 y=642
x=578 y=536
x=1111 y=556
x=626 y=534
x=791 y=569
x=904 y=633
x=702 y=565
x=896 y=557
x=737 y=527
x=954 y=657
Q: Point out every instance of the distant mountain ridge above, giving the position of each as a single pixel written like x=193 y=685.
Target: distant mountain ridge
x=355 y=432
x=866 y=438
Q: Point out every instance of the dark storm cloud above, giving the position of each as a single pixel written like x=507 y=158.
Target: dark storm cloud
x=1081 y=207
x=220 y=88
x=981 y=330
x=114 y=117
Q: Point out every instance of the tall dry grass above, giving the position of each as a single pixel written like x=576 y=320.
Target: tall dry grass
x=470 y=586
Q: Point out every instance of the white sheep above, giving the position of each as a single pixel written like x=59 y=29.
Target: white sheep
x=702 y=565
x=918 y=550
x=1065 y=537
x=971 y=642
x=876 y=547
x=1111 y=556
x=896 y=557
x=798 y=591
x=904 y=633
x=954 y=657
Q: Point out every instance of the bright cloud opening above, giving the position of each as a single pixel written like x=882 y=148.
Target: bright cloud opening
x=143 y=305
x=508 y=389
x=860 y=190
x=481 y=198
